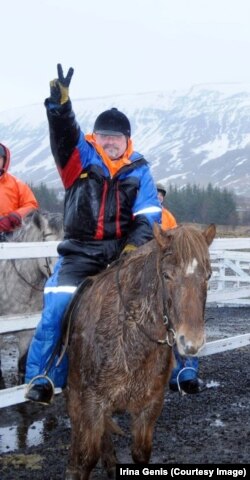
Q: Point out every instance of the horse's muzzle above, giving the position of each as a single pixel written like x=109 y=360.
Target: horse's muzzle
x=187 y=347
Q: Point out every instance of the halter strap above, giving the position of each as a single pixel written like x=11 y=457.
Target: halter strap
x=34 y=287
x=47 y=266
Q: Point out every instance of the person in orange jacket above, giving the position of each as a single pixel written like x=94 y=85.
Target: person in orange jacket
x=185 y=373
x=167 y=219
x=16 y=198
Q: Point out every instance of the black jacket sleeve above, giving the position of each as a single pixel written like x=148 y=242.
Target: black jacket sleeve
x=141 y=231
x=64 y=131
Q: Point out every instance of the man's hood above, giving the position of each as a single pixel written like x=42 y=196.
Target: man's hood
x=7 y=158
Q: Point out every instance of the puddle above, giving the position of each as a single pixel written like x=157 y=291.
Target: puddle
x=23 y=436
x=11 y=438
x=25 y=425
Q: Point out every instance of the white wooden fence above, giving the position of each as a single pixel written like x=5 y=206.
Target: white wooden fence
x=230 y=282
x=230 y=258
x=229 y=285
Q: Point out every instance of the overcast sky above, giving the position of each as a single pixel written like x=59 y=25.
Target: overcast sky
x=119 y=46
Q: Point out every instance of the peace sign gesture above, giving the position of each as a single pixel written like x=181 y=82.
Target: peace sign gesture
x=59 y=88
x=65 y=81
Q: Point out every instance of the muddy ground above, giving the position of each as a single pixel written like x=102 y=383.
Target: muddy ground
x=210 y=428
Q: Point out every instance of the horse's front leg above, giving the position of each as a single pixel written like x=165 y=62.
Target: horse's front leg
x=108 y=455
x=87 y=428
x=143 y=429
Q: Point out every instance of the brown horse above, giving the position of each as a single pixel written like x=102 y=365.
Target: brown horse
x=120 y=354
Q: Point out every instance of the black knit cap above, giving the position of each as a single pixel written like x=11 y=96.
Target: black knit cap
x=112 y=122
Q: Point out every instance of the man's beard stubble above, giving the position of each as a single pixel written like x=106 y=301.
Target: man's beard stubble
x=112 y=151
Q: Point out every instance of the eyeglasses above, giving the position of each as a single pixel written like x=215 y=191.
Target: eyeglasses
x=116 y=137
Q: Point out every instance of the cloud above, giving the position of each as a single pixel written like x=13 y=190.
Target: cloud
x=120 y=47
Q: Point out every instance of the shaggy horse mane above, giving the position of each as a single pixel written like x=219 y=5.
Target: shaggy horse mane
x=188 y=243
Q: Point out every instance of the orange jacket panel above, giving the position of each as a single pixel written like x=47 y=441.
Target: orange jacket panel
x=15 y=196
x=167 y=219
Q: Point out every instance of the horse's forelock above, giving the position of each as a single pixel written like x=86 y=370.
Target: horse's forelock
x=189 y=243
x=55 y=222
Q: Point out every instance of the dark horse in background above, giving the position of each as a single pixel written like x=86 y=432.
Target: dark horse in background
x=124 y=326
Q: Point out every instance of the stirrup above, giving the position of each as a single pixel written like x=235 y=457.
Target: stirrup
x=30 y=384
x=181 y=391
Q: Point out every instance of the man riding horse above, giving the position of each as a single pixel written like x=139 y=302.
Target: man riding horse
x=111 y=205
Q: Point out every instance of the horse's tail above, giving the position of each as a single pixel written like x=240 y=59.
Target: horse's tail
x=112 y=427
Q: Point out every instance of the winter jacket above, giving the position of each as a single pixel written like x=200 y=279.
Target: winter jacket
x=100 y=204
x=15 y=196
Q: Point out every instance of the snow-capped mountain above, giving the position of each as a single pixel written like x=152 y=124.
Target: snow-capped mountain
x=197 y=136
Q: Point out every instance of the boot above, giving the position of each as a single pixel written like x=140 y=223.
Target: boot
x=185 y=374
x=40 y=393
x=195 y=385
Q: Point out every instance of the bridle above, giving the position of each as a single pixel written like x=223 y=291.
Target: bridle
x=170 y=332
x=46 y=266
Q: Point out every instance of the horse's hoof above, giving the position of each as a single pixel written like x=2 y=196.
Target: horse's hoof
x=111 y=473
x=72 y=474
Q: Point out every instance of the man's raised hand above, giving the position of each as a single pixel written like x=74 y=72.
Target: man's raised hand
x=59 y=88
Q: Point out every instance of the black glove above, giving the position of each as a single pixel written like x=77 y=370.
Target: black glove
x=59 y=88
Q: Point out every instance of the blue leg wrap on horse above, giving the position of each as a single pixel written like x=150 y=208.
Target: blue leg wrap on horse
x=186 y=368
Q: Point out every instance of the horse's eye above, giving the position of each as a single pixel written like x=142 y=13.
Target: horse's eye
x=208 y=276
x=166 y=276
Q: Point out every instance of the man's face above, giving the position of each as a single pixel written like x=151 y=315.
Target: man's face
x=113 y=145
x=1 y=162
x=160 y=196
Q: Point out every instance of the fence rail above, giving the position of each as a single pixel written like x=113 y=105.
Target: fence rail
x=230 y=260
x=17 y=250
x=9 y=250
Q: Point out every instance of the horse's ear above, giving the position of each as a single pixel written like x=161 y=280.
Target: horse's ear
x=209 y=233
x=38 y=219
x=160 y=236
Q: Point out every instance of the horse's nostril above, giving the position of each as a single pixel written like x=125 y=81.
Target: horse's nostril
x=187 y=347
x=190 y=350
